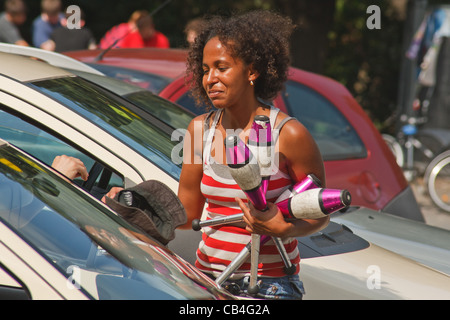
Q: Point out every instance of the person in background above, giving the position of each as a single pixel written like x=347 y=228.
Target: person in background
x=193 y=28
x=70 y=167
x=14 y=16
x=43 y=26
x=114 y=36
x=66 y=39
x=151 y=38
x=138 y=32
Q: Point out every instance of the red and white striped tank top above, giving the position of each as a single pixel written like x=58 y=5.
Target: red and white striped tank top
x=220 y=244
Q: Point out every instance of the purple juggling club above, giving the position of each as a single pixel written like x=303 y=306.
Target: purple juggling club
x=315 y=203
x=307 y=183
x=245 y=171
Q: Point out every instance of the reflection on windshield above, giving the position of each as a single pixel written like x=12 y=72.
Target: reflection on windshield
x=112 y=114
x=154 y=83
x=170 y=113
x=113 y=260
x=164 y=110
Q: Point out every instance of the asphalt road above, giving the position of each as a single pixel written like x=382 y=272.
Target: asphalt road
x=432 y=214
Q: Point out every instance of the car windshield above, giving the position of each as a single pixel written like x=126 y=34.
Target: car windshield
x=96 y=250
x=165 y=110
x=114 y=115
x=153 y=82
x=173 y=115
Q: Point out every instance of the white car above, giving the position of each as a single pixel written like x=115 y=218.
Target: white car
x=424 y=243
x=57 y=242
x=64 y=114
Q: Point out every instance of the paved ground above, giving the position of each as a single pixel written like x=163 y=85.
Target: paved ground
x=433 y=215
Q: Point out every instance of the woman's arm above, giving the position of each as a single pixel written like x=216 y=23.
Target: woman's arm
x=189 y=190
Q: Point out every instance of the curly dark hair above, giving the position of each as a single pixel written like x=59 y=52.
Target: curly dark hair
x=259 y=38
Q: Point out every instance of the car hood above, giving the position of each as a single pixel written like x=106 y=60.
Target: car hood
x=338 y=264
x=372 y=273
x=426 y=244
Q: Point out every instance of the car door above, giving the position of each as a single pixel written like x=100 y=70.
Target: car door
x=25 y=274
x=85 y=132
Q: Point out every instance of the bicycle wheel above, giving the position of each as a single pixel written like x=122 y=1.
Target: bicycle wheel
x=396 y=149
x=437 y=177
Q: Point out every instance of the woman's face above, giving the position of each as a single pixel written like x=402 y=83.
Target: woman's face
x=226 y=79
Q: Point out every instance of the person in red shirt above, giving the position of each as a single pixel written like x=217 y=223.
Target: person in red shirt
x=150 y=36
x=138 y=32
x=115 y=36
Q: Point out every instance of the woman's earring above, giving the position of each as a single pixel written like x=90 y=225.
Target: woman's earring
x=251 y=82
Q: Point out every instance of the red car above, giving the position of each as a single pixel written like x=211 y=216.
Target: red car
x=355 y=155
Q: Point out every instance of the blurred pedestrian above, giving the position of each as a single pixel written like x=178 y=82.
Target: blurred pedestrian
x=14 y=16
x=43 y=26
x=150 y=36
x=193 y=28
x=69 y=39
x=138 y=32
x=115 y=36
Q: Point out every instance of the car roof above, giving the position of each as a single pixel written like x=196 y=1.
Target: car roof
x=26 y=69
x=172 y=63
x=166 y=62
x=53 y=58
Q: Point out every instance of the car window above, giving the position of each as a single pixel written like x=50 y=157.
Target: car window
x=94 y=248
x=189 y=103
x=153 y=82
x=46 y=146
x=170 y=113
x=334 y=135
x=175 y=116
x=114 y=115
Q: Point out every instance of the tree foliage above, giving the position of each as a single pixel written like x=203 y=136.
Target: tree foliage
x=367 y=61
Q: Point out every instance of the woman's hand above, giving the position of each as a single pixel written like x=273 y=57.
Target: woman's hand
x=270 y=222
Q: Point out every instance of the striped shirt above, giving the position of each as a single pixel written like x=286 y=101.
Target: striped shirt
x=221 y=244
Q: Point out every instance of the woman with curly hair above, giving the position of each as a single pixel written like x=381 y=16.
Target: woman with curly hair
x=237 y=65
